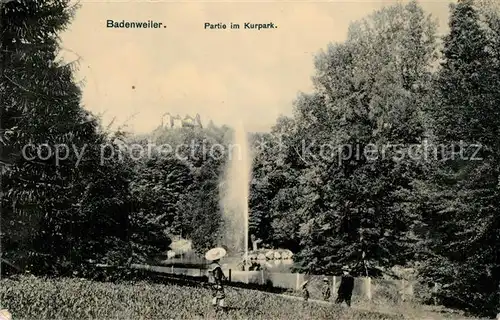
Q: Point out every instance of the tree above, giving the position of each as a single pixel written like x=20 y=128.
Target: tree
x=176 y=190
x=51 y=200
x=157 y=189
x=367 y=110
x=465 y=190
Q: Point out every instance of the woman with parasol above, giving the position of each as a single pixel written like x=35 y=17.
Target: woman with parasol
x=217 y=277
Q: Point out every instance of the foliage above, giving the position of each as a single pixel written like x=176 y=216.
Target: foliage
x=179 y=189
x=274 y=195
x=55 y=212
x=369 y=99
x=465 y=183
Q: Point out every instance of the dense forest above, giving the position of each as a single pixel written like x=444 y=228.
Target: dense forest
x=392 y=160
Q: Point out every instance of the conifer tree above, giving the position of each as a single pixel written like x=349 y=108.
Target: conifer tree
x=55 y=215
x=465 y=186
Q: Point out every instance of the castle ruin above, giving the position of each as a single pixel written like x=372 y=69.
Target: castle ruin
x=168 y=121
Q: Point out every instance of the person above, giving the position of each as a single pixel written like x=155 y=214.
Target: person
x=326 y=289
x=344 y=293
x=217 y=278
x=305 y=291
x=218 y=294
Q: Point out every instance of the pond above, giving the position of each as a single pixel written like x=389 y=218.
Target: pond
x=233 y=263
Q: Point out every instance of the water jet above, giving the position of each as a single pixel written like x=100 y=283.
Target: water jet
x=235 y=194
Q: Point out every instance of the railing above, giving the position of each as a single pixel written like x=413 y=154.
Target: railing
x=367 y=289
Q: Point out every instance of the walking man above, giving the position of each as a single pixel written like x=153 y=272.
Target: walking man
x=346 y=287
x=217 y=277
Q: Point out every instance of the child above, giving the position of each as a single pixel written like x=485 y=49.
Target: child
x=305 y=292
x=326 y=289
x=217 y=277
x=218 y=295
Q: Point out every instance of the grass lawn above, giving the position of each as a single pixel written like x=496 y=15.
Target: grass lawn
x=36 y=298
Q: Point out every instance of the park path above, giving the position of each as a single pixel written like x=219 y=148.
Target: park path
x=422 y=314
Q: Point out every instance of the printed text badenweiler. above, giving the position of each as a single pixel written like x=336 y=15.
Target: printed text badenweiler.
x=150 y=24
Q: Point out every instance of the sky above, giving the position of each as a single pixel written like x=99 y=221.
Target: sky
x=134 y=76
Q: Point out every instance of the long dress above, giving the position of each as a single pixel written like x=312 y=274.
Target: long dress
x=345 y=289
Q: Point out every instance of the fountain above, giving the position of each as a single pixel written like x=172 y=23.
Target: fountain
x=235 y=237
x=234 y=203
x=235 y=193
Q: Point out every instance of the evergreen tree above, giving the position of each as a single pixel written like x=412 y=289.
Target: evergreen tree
x=54 y=214
x=465 y=192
